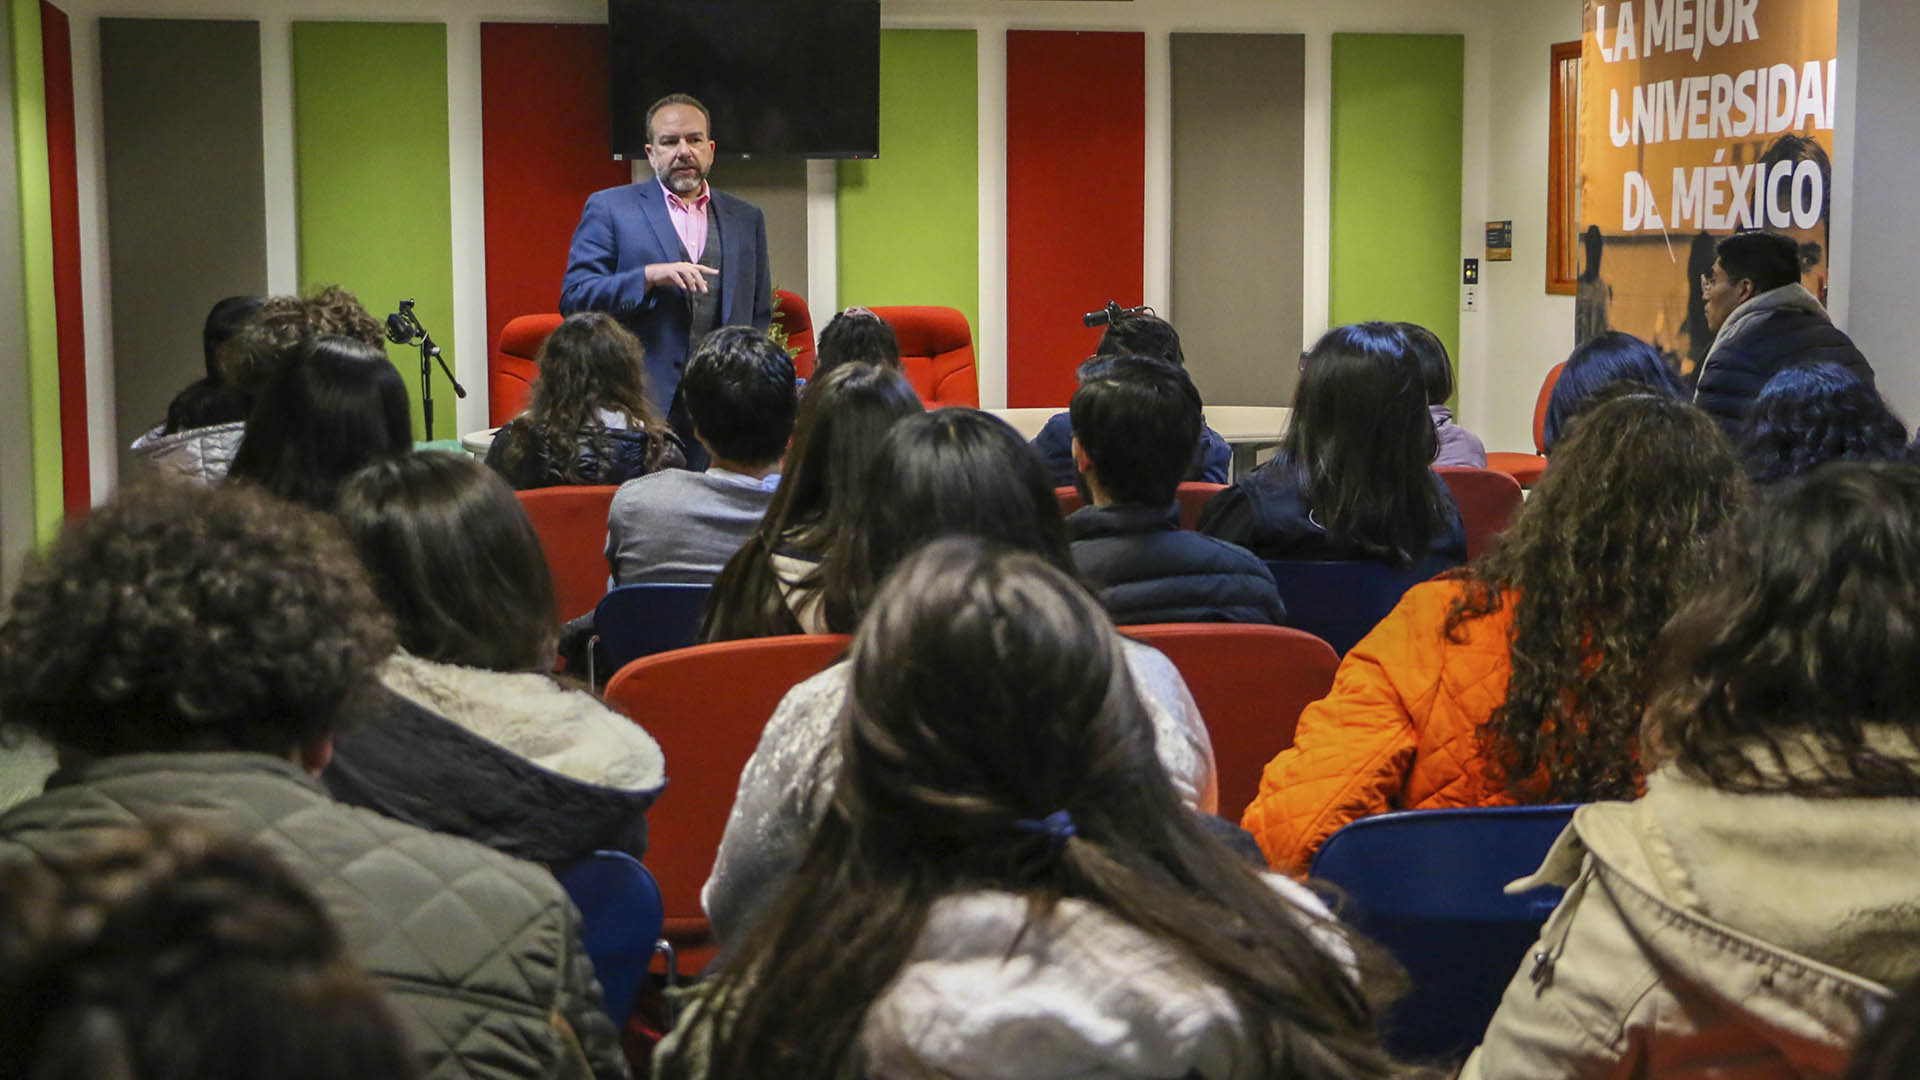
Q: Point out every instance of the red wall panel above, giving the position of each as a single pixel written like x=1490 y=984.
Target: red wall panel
x=56 y=44
x=545 y=124
x=1076 y=195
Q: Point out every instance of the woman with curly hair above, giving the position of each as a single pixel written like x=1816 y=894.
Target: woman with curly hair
x=191 y=651
x=1353 y=479
x=168 y=953
x=772 y=584
x=1004 y=881
x=1749 y=915
x=589 y=420
x=1519 y=678
x=1810 y=414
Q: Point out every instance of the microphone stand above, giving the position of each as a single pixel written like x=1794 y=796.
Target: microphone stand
x=429 y=353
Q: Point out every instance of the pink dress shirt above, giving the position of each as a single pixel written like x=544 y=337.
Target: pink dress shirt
x=690 y=220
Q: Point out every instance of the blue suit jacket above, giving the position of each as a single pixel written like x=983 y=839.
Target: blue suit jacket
x=623 y=229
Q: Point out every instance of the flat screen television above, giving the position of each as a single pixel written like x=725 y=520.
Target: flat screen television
x=796 y=78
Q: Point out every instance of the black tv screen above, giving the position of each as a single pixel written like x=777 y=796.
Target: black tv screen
x=798 y=78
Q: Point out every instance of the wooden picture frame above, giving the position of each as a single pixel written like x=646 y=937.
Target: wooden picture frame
x=1563 y=168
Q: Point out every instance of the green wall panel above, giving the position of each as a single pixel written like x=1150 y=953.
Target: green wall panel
x=909 y=221
x=370 y=157
x=1395 y=182
x=29 y=92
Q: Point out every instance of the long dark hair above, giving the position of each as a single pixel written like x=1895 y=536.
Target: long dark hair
x=335 y=407
x=589 y=363
x=455 y=560
x=942 y=750
x=1619 y=532
x=950 y=472
x=843 y=417
x=1806 y=643
x=1810 y=414
x=1361 y=442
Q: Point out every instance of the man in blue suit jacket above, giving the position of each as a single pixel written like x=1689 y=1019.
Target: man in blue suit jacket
x=671 y=258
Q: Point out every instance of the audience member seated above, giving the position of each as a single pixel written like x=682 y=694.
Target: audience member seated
x=1750 y=913
x=335 y=407
x=1135 y=420
x=681 y=526
x=1520 y=678
x=772 y=584
x=589 y=420
x=1810 y=414
x=1612 y=357
x=1762 y=320
x=1025 y=896
x=855 y=335
x=204 y=421
x=1354 y=478
x=245 y=340
x=1135 y=335
x=951 y=472
x=190 y=651
x=476 y=738
x=1458 y=446
x=170 y=954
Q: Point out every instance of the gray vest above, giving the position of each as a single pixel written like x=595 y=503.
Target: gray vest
x=705 y=306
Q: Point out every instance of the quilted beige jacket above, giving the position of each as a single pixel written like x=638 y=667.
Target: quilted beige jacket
x=479 y=952
x=1712 y=934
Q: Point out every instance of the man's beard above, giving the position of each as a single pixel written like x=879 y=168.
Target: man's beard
x=683 y=183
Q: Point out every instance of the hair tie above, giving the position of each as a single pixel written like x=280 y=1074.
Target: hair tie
x=1057 y=826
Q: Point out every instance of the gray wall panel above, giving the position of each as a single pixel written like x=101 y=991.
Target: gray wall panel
x=186 y=203
x=1238 y=122
x=778 y=186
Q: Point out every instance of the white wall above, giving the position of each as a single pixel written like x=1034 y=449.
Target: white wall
x=1526 y=330
x=1877 y=157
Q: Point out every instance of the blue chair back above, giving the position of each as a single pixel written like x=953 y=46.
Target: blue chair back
x=633 y=621
x=1339 y=602
x=621 y=916
x=1427 y=884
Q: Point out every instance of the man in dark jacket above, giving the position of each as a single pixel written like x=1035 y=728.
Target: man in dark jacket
x=1135 y=422
x=189 y=651
x=1763 y=320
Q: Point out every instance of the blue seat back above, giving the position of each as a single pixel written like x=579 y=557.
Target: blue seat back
x=1427 y=884
x=639 y=620
x=1339 y=602
x=621 y=916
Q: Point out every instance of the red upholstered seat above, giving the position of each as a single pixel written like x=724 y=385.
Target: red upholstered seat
x=1526 y=469
x=572 y=523
x=936 y=353
x=511 y=370
x=706 y=706
x=1489 y=500
x=791 y=314
x=1251 y=682
x=1193 y=495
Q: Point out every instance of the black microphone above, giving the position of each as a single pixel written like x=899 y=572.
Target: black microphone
x=1106 y=315
x=400 y=325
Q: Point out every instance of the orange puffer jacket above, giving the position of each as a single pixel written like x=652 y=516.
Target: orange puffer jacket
x=1397 y=731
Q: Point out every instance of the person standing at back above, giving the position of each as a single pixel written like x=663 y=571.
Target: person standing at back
x=671 y=257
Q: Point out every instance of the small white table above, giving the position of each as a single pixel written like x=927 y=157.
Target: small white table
x=478 y=443
x=1248 y=429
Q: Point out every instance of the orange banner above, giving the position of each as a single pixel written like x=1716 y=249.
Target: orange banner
x=1698 y=118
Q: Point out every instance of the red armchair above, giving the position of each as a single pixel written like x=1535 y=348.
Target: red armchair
x=511 y=370
x=792 y=315
x=1526 y=469
x=936 y=353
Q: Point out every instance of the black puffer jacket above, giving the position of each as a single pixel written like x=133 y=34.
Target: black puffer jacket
x=605 y=455
x=1146 y=569
x=1775 y=330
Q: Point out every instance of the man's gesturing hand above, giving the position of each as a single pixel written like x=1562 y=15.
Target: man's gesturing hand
x=691 y=277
